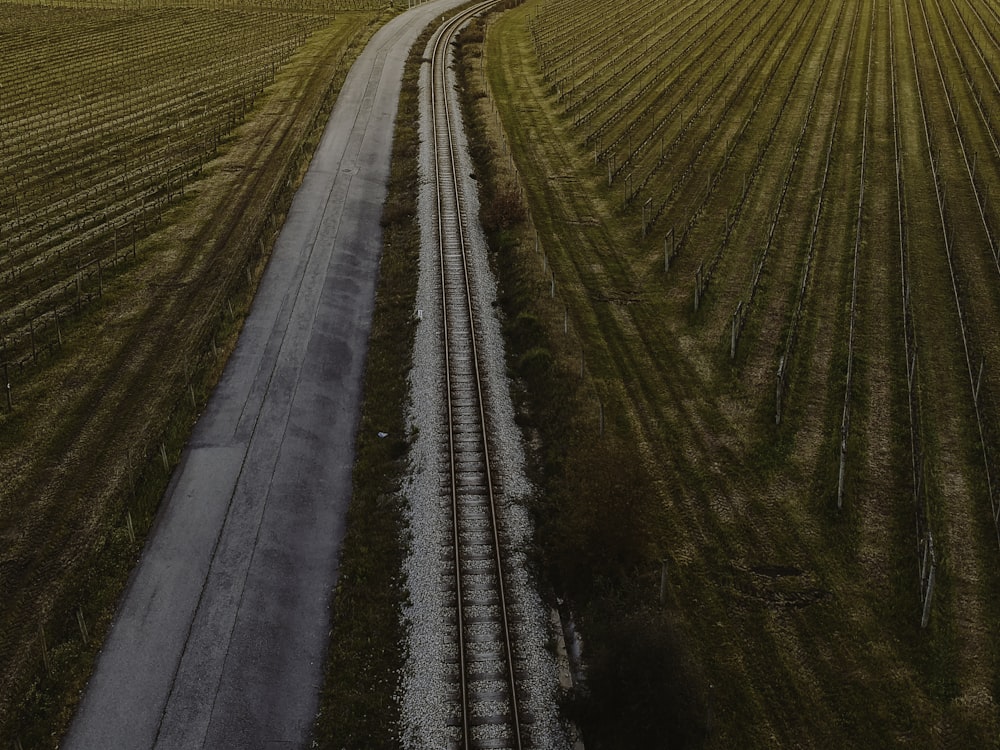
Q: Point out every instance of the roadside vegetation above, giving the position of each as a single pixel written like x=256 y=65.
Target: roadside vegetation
x=359 y=708
x=756 y=342
x=142 y=186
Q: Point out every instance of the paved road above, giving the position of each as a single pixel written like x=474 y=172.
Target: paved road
x=220 y=636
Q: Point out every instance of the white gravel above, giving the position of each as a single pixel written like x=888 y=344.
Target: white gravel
x=424 y=701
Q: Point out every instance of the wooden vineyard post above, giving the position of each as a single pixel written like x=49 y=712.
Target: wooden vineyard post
x=668 y=249
x=842 y=470
x=778 y=391
x=734 y=334
x=6 y=380
x=84 y=633
x=923 y=563
x=979 y=380
x=647 y=215
x=929 y=594
x=697 y=286
x=45 y=650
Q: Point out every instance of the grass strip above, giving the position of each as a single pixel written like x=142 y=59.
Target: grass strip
x=367 y=637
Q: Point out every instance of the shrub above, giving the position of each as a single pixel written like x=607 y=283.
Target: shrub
x=502 y=210
x=609 y=517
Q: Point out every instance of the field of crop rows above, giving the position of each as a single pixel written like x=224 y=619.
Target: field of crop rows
x=811 y=195
x=107 y=111
x=803 y=163
x=294 y=6
x=144 y=171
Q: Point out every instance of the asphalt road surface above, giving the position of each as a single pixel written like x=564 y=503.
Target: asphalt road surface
x=220 y=635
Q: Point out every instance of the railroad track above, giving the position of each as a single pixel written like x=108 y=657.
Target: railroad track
x=485 y=710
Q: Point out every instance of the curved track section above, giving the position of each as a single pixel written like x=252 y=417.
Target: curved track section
x=486 y=697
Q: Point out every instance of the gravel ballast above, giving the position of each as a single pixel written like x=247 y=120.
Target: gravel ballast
x=427 y=691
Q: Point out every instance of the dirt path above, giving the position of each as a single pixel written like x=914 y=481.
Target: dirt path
x=221 y=636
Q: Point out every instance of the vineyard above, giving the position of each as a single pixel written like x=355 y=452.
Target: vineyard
x=148 y=151
x=775 y=229
x=105 y=116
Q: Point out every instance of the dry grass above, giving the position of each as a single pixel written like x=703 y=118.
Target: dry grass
x=805 y=620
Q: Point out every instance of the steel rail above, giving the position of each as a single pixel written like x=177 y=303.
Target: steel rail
x=448 y=196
